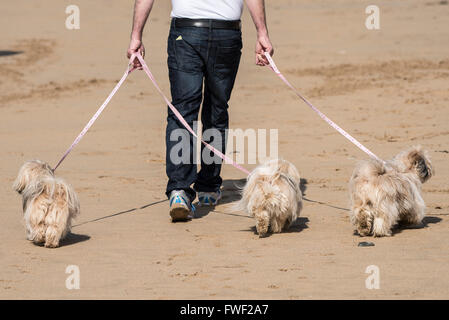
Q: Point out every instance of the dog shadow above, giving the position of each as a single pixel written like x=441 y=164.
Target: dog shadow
x=401 y=227
x=5 y=53
x=424 y=224
x=73 y=238
x=303 y=186
x=299 y=225
x=230 y=193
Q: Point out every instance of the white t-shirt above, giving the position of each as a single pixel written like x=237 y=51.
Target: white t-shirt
x=207 y=9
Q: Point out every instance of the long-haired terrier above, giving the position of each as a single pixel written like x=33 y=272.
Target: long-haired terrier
x=385 y=194
x=49 y=203
x=272 y=195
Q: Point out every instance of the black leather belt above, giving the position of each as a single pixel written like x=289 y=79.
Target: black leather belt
x=208 y=23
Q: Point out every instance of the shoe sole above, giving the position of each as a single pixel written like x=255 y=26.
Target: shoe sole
x=179 y=213
x=202 y=204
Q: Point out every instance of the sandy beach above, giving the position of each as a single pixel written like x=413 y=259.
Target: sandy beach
x=387 y=87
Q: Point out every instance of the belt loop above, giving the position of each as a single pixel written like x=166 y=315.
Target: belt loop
x=174 y=24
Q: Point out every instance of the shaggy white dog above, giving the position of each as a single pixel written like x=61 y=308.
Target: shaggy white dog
x=49 y=203
x=272 y=196
x=385 y=194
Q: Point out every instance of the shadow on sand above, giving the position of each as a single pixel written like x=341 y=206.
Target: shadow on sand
x=297 y=226
x=424 y=224
x=73 y=238
x=5 y=53
x=121 y=212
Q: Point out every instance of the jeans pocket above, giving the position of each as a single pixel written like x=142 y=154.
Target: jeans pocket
x=227 y=61
x=182 y=54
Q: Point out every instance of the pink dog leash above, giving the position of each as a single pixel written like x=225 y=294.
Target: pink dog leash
x=175 y=111
x=186 y=125
x=322 y=115
x=97 y=114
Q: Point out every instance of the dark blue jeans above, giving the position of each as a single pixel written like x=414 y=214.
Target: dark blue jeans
x=197 y=58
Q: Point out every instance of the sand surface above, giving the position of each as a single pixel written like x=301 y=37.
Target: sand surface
x=389 y=88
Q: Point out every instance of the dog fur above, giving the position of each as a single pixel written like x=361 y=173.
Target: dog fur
x=272 y=196
x=49 y=203
x=384 y=195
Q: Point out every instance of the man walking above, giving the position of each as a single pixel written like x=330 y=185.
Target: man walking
x=204 y=49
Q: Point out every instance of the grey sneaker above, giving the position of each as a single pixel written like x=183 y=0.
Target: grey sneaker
x=209 y=198
x=181 y=208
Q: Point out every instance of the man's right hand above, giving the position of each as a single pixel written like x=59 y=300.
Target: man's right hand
x=136 y=46
x=263 y=45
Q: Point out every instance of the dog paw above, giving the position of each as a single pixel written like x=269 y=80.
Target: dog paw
x=37 y=238
x=263 y=235
x=51 y=244
x=364 y=232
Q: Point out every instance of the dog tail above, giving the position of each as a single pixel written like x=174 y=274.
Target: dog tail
x=238 y=206
x=369 y=168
